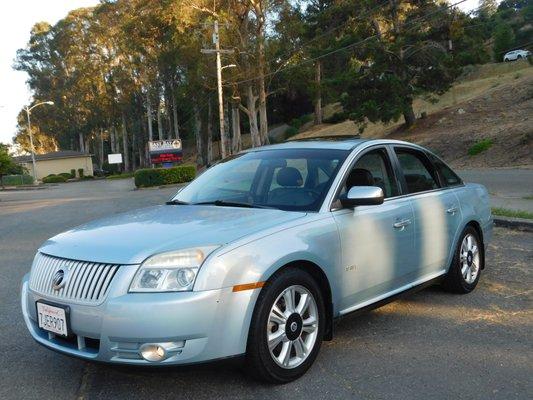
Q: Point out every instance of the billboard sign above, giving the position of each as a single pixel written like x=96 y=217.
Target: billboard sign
x=165 y=151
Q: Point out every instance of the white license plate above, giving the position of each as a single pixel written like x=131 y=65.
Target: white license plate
x=52 y=319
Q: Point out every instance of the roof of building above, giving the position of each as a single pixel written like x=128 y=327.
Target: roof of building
x=55 y=155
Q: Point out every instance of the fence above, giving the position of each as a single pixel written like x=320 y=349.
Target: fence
x=16 y=180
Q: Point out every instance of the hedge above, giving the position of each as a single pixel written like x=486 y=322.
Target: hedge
x=164 y=176
x=65 y=175
x=54 y=179
x=14 y=180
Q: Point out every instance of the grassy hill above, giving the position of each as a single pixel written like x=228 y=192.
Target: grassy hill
x=485 y=120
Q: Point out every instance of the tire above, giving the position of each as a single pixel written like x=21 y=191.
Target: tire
x=298 y=336
x=467 y=263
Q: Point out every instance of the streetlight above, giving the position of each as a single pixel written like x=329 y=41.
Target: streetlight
x=28 y=111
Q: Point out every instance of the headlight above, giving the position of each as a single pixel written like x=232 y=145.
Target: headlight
x=174 y=271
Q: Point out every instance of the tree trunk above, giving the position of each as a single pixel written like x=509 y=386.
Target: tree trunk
x=263 y=119
x=227 y=139
x=409 y=115
x=174 y=111
x=133 y=151
x=101 y=148
x=252 y=117
x=159 y=120
x=125 y=145
x=198 y=136
x=318 y=96
x=236 y=128
x=149 y=115
x=112 y=138
x=209 y=158
x=82 y=142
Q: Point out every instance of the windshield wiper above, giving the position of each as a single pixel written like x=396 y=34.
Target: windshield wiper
x=223 y=203
x=176 y=202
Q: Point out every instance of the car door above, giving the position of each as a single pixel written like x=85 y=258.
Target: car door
x=377 y=242
x=437 y=214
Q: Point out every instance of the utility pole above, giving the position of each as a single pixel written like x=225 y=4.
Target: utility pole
x=28 y=112
x=218 y=52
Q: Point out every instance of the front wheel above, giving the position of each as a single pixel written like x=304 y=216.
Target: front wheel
x=287 y=327
x=467 y=263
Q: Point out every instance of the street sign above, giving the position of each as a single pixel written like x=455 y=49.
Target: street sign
x=165 y=151
x=114 y=158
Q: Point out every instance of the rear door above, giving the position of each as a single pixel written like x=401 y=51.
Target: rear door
x=377 y=242
x=437 y=214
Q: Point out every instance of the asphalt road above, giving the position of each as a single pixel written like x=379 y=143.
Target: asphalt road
x=508 y=187
x=431 y=345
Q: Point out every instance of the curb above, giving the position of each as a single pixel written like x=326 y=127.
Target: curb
x=514 y=223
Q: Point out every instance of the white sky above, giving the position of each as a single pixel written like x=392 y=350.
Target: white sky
x=16 y=21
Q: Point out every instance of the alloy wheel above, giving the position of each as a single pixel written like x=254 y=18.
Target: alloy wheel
x=469 y=259
x=292 y=327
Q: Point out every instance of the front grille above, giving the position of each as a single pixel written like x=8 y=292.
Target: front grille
x=84 y=281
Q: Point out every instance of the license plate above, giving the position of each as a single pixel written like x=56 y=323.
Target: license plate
x=53 y=318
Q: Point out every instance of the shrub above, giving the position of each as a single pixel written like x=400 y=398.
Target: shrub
x=65 y=175
x=296 y=123
x=336 y=118
x=80 y=172
x=72 y=173
x=54 y=179
x=480 y=147
x=14 y=180
x=164 y=176
x=291 y=131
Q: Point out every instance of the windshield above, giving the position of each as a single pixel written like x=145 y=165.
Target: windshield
x=288 y=179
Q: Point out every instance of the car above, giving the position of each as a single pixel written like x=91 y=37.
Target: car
x=259 y=256
x=516 y=55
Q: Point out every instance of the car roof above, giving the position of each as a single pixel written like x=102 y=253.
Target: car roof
x=327 y=142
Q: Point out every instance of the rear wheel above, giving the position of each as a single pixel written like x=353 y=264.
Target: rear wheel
x=287 y=328
x=468 y=260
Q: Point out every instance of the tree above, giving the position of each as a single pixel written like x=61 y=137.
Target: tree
x=7 y=164
x=503 y=40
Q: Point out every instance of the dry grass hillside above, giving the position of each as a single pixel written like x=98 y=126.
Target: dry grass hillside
x=493 y=102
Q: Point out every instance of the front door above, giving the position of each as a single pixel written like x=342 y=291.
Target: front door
x=377 y=242
x=436 y=211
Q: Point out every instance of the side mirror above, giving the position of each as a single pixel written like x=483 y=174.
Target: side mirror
x=362 y=196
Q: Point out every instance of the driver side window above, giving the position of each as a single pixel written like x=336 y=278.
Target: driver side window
x=373 y=169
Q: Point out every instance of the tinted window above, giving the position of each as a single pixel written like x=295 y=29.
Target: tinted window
x=373 y=169
x=295 y=179
x=416 y=170
x=447 y=176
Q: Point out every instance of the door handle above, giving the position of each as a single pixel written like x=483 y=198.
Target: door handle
x=452 y=210
x=401 y=224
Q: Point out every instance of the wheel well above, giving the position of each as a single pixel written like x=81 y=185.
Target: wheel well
x=321 y=279
x=477 y=227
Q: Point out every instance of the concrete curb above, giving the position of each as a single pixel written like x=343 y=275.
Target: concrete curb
x=514 y=223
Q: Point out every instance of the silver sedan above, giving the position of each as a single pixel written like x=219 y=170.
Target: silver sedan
x=258 y=257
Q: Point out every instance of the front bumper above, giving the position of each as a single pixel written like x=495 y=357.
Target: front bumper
x=196 y=326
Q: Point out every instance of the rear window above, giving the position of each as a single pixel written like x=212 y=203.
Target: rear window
x=446 y=175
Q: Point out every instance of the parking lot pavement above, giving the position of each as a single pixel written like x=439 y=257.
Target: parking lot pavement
x=508 y=187
x=430 y=345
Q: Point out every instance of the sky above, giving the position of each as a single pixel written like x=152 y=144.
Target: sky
x=16 y=21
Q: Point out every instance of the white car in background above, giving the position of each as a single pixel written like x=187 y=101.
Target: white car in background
x=516 y=55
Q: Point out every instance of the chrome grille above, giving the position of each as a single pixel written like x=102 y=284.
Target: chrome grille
x=85 y=281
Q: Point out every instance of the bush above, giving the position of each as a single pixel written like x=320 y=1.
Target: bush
x=14 y=180
x=87 y=177
x=290 y=132
x=164 y=176
x=54 y=179
x=480 y=147
x=72 y=173
x=65 y=175
x=296 y=123
x=80 y=172
x=336 y=118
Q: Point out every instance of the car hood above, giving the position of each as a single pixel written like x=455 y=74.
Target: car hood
x=131 y=237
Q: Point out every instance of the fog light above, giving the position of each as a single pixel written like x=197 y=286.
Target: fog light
x=153 y=352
